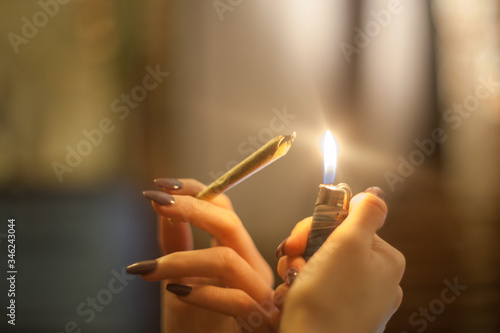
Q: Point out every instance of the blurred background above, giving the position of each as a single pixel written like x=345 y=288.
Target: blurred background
x=99 y=97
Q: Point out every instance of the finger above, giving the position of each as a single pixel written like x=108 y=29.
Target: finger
x=367 y=214
x=296 y=244
x=217 y=262
x=230 y=302
x=286 y=263
x=217 y=221
x=221 y=223
x=280 y=294
x=191 y=187
x=173 y=237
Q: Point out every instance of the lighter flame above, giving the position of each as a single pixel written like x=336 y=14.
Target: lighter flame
x=330 y=158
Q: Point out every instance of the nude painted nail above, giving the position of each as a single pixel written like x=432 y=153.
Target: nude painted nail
x=169 y=183
x=280 y=252
x=179 y=289
x=290 y=275
x=142 y=267
x=376 y=191
x=160 y=197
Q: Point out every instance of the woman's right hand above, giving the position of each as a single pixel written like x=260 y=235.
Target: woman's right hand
x=351 y=284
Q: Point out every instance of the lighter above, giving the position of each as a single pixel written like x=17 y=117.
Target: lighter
x=330 y=210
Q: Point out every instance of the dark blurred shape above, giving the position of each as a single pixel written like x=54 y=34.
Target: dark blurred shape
x=71 y=254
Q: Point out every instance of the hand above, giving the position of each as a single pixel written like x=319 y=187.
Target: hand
x=351 y=284
x=212 y=289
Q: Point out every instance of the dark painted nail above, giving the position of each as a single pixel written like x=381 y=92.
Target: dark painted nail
x=280 y=252
x=376 y=191
x=142 y=267
x=160 y=197
x=290 y=275
x=169 y=183
x=179 y=289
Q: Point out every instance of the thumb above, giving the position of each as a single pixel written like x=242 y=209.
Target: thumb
x=366 y=215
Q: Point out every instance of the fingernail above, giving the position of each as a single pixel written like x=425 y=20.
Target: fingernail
x=280 y=252
x=179 y=289
x=142 y=267
x=169 y=183
x=160 y=197
x=376 y=191
x=290 y=275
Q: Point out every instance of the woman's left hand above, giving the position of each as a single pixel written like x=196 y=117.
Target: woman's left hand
x=230 y=278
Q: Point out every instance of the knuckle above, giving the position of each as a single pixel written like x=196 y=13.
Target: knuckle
x=191 y=208
x=227 y=257
x=194 y=205
x=186 y=209
x=232 y=224
x=173 y=257
x=400 y=260
x=351 y=242
x=242 y=301
x=399 y=297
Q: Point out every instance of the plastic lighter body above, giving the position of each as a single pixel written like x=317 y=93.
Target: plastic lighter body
x=331 y=208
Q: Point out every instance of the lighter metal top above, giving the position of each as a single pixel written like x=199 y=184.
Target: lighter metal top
x=334 y=195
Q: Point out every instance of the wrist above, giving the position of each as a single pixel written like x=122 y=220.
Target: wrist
x=305 y=319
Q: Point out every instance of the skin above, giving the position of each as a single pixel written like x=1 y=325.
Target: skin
x=352 y=283
x=354 y=275
x=231 y=281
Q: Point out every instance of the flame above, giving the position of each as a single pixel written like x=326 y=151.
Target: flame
x=330 y=158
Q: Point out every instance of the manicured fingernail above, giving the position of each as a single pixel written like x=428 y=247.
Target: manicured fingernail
x=376 y=191
x=169 y=183
x=290 y=275
x=280 y=252
x=179 y=289
x=142 y=267
x=160 y=197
